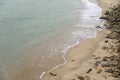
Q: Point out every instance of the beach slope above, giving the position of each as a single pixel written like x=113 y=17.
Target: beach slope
x=82 y=61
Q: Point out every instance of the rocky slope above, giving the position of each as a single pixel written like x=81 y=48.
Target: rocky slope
x=111 y=63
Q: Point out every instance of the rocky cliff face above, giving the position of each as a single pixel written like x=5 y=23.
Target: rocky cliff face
x=112 y=63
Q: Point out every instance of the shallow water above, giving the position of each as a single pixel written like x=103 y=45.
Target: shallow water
x=36 y=34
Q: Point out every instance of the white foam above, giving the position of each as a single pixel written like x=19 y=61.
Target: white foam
x=91 y=5
x=68 y=47
x=42 y=75
x=92 y=12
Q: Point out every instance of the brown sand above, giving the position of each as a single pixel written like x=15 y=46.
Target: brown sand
x=105 y=4
x=81 y=58
x=77 y=60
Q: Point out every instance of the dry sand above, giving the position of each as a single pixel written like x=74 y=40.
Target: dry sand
x=81 y=59
x=106 y=4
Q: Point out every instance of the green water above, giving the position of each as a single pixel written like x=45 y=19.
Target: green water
x=33 y=30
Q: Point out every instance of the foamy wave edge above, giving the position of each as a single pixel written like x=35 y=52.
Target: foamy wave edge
x=65 y=51
x=68 y=48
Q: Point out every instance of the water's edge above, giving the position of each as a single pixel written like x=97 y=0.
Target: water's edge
x=67 y=50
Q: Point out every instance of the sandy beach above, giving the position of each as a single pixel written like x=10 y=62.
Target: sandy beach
x=77 y=60
x=83 y=60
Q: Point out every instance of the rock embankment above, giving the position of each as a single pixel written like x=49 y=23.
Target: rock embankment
x=111 y=63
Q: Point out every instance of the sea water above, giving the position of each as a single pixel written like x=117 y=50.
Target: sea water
x=35 y=35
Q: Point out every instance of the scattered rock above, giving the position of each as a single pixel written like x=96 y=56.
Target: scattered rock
x=80 y=77
x=109 y=63
x=97 y=58
x=118 y=49
x=98 y=27
x=99 y=71
x=104 y=48
x=53 y=74
x=104 y=17
x=110 y=36
x=109 y=70
x=89 y=70
x=107 y=13
x=97 y=63
x=73 y=60
x=105 y=59
x=106 y=41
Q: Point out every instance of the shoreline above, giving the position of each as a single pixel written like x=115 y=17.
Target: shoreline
x=74 y=46
x=65 y=58
x=79 y=64
x=48 y=76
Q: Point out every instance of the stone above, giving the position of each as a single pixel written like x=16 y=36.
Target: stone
x=106 y=12
x=53 y=74
x=80 y=77
x=73 y=60
x=104 y=48
x=104 y=17
x=118 y=65
x=89 y=70
x=110 y=36
x=99 y=71
x=98 y=27
x=105 y=59
x=97 y=63
x=109 y=70
x=109 y=63
x=118 y=48
x=106 y=41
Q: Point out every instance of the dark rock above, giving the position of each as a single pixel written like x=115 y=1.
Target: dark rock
x=112 y=63
x=53 y=74
x=118 y=48
x=98 y=27
x=73 y=60
x=109 y=70
x=106 y=41
x=104 y=17
x=118 y=65
x=104 y=48
x=105 y=59
x=97 y=63
x=99 y=71
x=89 y=70
x=80 y=77
x=114 y=8
x=110 y=36
x=106 y=13
x=109 y=63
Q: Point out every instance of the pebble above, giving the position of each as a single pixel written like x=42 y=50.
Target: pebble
x=53 y=74
x=99 y=71
x=89 y=70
